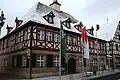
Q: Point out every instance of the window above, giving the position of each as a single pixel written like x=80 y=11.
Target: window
x=93 y=62
x=69 y=40
x=119 y=37
x=80 y=61
x=41 y=34
x=67 y=24
x=25 y=36
x=116 y=46
x=79 y=41
x=49 y=17
x=14 y=61
x=56 y=37
x=24 y=61
x=40 y=60
x=92 y=44
x=56 y=61
x=74 y=41
x=119 y=27
x=5 y=62
x=49 y=36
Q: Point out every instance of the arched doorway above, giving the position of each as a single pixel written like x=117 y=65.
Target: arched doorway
x=71 y=66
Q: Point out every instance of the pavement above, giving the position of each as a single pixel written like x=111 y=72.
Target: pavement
x=80 y=76
x=101 y=75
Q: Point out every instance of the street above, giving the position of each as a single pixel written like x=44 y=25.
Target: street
x=109 y=77
x=114 y=76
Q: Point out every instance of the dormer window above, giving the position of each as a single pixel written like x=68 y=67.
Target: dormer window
x=79 y=26
x=49 y=17
x=67 y=22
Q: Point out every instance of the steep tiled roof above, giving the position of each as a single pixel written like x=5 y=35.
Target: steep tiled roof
x=107 y=31
x=40 y=9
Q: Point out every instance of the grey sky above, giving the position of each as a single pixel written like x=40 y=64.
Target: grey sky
x=90 y=12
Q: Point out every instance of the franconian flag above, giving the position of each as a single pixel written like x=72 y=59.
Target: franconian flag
x=63 y=46
x=85 y=43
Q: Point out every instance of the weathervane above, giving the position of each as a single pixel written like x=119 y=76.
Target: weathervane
x=2 y=18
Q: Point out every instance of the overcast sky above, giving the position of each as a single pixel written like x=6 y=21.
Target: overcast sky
x=90 y=12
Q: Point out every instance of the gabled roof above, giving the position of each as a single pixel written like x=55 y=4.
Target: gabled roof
x=36 y=13
x=107 y=31
x=40 y=9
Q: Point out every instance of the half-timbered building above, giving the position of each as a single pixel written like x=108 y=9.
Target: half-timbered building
x=32 y=46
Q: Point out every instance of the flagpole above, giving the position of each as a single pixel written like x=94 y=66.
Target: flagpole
x=60 y=54
x=83 y=62
x=97 y=52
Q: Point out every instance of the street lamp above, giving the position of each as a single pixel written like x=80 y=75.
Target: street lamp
x=111 y=48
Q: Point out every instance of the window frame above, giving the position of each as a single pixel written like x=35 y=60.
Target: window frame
x=40 y=62
x=80 y=61
x=56 y=61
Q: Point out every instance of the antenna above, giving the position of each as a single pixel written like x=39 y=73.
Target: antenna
x=107 y=19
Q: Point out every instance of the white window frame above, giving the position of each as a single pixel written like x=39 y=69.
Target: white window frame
x=42 y=33
x=49 y=36
x=24 y=61
x=56 y=37
x=93 y=62
x=74 y=41
x=40 y=60
x=80 y=61
x=50 y=18
x=56 y=61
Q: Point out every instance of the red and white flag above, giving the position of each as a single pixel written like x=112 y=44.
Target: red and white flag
x=85 y=43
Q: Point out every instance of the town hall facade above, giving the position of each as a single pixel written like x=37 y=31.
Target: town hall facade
x=32 y=47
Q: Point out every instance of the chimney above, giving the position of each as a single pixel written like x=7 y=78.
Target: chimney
x=9 y=29
x=18 y=22
x=55 y=5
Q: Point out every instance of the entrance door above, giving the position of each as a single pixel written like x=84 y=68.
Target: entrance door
x=71 y=66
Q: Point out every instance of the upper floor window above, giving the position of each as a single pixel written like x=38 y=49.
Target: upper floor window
x=69 y=40
x=119 y=27
x=67 y=22
x=49 y=17
x=49 y=36
x=41 y=34
x=116 y=46
x=25 y=36
x=74 y=40
x=119 y=37
x=56 y=37
x=79 y=26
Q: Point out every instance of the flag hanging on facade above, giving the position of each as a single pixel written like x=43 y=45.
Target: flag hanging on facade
x=63 y=46
x=85 y=43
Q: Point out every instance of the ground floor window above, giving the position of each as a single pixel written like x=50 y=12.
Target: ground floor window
x=24 y=61
x=56 y=61
x=17 y=61
x=5 y=62
x=80 y=61
x=93 y=62
x=40 y=60
x=14 y=63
